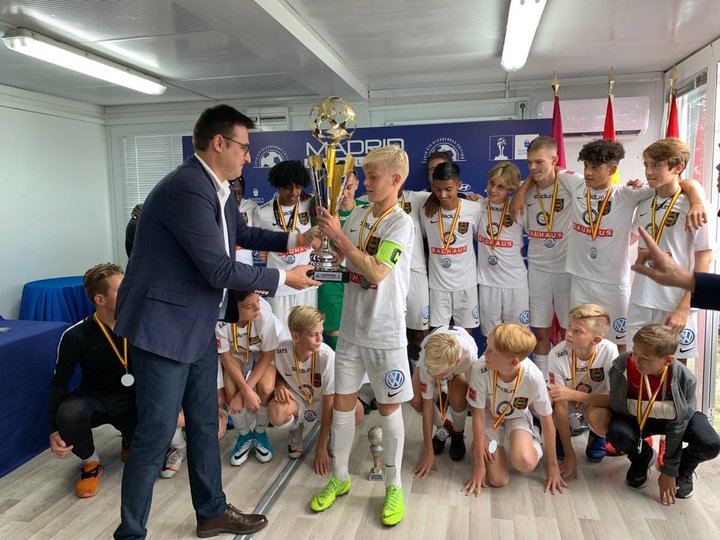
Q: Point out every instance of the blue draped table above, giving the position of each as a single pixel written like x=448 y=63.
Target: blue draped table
x=57 y=299
x=27 y=361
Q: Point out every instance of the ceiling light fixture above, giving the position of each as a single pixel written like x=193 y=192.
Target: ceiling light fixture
x=523 y=20
x=47 y=49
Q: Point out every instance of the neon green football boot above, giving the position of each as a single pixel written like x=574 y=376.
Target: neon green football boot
x=325 y=498
x=394 y=507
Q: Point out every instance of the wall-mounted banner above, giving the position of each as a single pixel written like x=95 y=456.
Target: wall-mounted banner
x=475 y=146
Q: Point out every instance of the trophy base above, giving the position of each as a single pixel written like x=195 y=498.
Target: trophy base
x=336 y=276
x=376 y=475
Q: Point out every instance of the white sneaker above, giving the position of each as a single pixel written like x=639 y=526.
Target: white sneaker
x=241 y=450
x=173 y=461
x=295 y=441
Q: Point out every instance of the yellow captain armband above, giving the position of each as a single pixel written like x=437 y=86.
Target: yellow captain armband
x=389 y=253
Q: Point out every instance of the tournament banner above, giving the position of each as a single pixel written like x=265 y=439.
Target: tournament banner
x=475 y=146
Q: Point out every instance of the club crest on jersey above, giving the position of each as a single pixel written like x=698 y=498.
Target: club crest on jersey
x=507 y=222
x=597 y=374
x=407 y=207
x=463 y=227
x=317 y=380
x=559 y=205
x=307 y=390
x=373 y=245
x=394 y=379
x=672 y=219
x=520 y=403
x=303 y=218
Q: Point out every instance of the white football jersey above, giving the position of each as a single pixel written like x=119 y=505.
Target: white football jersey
x=596 y=380
x=547 y=249
x=264 y=334
x=531 y=391
x=605 y=259
x=453 y=267
x=502 y=266
x=675 y=240
x=468 y=356
x=266 y=217
x=373 y=314
x=306 y=383
x=246 y=209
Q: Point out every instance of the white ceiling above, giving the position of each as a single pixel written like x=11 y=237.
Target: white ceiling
x=231 y=49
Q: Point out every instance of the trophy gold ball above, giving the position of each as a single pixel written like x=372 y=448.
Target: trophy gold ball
x=332 y=120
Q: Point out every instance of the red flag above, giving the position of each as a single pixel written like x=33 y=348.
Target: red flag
x=557 y=133
x=609 y=130
x=673 y=129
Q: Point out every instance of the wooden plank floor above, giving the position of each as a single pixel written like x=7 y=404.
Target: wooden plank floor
x=37 y=501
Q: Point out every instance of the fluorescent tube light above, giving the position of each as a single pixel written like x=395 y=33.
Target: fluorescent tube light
x=47 y=49
x=523 y=20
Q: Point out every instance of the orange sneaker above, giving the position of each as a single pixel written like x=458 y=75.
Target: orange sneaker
x=89 y=482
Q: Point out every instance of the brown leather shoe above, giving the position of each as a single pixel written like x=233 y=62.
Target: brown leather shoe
x=232 y=521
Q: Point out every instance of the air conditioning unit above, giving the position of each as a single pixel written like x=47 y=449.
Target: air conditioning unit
x=270 y=118
x=584 y=119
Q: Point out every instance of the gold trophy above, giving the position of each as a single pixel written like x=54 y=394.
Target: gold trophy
x=375 y=436
x=332 y=121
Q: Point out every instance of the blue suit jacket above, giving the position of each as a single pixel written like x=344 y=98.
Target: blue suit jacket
x=707 y=291
x=168 y=302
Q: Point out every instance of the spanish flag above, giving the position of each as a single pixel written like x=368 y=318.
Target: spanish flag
x=609 y=133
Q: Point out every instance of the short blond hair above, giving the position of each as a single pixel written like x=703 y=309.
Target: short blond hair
x=304 y=318
x=659 y=339
x=441 y=353
x=508 y=172
x=596 y=317
x=391 y=158
x=671 y=150
x=513 y=339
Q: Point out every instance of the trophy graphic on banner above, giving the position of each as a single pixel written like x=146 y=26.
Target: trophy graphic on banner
x=332 y=121
x=375 y=436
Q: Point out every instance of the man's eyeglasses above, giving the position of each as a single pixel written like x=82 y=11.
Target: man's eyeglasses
x=245 y=147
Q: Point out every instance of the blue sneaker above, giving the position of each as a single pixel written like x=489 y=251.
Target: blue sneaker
x=595 y=449
x=559 y=450
x=263 y=448
x=241 y=450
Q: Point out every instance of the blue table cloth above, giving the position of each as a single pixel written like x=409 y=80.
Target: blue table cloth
x=57 y=299
x=27 y=362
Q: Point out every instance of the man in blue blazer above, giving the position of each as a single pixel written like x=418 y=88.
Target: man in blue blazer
x=179 y=281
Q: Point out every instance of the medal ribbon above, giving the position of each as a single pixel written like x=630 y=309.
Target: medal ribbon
x=491 y=229
x=401 y=202
x=551 y=214
x=499 y=419
x=443 y=406
x=233 y=331
x=292 y=222
x=574 y=371
x=124 y=358
x=441 y=225
x=643 y=416
x=595 y=226
x=363 y=244
x=308 y=394
x=657 y=231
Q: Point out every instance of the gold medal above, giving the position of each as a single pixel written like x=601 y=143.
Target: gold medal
x=551 y=214
x=657 y=231
x=233 y=331
x=506 y=410
x=291 y=225
x=491 y=230
x=307 y=393
x=442 y=406
x=595 y=226
x=574 y=371
x=127 y=379
x=364 y=244
x=441 y=225
x=642 y=416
